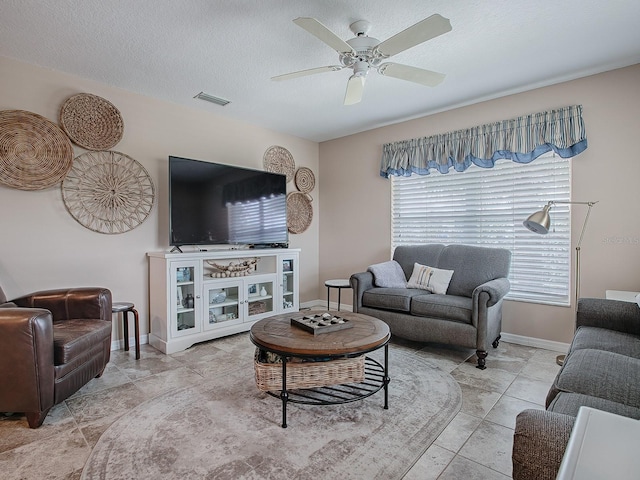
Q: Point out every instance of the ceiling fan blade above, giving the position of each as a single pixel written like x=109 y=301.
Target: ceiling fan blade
x=314 y=27
x=422 y=31
x=355 y=87
x=311 y=71
x=411 y=74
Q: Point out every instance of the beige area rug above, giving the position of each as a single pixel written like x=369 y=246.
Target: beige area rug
x=227 y=429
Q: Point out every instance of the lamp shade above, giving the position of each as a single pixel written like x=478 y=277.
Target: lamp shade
x=540 y=221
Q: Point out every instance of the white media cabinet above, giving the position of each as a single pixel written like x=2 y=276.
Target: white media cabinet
x=187 y=305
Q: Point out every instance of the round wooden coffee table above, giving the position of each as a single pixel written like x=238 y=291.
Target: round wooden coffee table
x=277 y=335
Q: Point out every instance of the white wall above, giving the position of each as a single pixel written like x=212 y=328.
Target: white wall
x=355 y=201
x=43 y=247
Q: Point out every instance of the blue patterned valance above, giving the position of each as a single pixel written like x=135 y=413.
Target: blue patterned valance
x=522 y=140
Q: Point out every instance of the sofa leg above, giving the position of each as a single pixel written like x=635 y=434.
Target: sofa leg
x=496 y=342
x=481 y=354
x=35 y=419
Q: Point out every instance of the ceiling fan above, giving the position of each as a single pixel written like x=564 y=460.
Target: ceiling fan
x=363 y=53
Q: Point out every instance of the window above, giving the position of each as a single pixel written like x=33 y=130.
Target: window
x=486 y=207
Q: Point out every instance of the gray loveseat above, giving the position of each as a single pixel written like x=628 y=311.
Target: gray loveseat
x=469 y=314
x=601 y=370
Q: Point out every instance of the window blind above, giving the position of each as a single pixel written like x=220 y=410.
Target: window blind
x=486 y=207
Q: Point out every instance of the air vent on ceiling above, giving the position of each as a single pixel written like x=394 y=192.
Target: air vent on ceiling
x=210 y=98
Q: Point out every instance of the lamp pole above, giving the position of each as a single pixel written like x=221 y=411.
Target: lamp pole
x=560 y=358
x=578 y=246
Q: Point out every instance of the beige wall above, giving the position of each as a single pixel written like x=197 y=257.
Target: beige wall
x=355 y=200
x=43 y=247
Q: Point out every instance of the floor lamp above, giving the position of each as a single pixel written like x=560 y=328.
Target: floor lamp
x=540 y=222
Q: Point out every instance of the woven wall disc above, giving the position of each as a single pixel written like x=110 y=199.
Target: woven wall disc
x=108 y=192
x=91 y=121
x=299 y=212
x=279 y=160
x=305 y=180
x=34 y=152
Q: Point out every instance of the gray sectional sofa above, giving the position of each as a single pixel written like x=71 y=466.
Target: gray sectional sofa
x=468 y=314
x=601 y=370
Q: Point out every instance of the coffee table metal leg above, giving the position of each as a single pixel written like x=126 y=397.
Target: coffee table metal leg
x=284 y=395
x=386 y=376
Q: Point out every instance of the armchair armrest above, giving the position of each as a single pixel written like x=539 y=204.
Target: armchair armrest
x=70 y=303
x=26 y=363
x=360 y=282
x=610 y=314
x=496 y=290
x=539 y=441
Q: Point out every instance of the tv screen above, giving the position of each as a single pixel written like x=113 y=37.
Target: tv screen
x=217 y=204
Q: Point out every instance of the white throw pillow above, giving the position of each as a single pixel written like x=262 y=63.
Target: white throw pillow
x=434 y=280
x=388 y=274
x=638 y=299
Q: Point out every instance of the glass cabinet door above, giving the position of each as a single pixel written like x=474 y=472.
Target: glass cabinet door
x=185 y=280
x=288 y=276
x=260 y=298
x=223 y=301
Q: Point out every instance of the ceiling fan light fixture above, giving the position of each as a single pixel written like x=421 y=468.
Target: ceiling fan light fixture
x=355 y=87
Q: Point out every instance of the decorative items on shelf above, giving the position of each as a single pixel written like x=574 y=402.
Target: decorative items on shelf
x=263 y=292
x=279 y=160
x=108 y=192
x=188 y=301
x=219 y=297
x=34 y=152
x=183 y=274
x=233 y=269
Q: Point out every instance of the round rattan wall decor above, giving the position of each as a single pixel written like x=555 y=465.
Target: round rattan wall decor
x=108 y=192
x=279 y=160
x=34 y=153
x=299 y=212
x=305 y=180
x=91 y=121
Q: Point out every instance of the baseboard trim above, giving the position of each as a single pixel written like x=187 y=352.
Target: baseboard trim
x=119 y=344
x=559 y=347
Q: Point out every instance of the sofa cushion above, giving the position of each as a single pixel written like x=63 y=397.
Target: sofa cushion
x=601 y=374
x=72 y=338
x=569 y=404
x=388 y=274
x=605 y=339
x=431 y=279
x=407 y=255
x=446 y=307
x=473 y=266
x=398 y=299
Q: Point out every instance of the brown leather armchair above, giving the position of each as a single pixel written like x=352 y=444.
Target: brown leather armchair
x=51 y=344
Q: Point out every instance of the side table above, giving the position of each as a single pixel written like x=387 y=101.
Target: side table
x=125 y=308
x=339 y=284
x=601 y=446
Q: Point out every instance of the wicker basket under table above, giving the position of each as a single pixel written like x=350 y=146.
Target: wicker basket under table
x=309 y=374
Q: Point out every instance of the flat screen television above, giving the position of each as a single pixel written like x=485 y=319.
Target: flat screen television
x=217 y=204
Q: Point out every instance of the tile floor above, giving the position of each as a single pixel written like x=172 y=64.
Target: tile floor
x=475 y=445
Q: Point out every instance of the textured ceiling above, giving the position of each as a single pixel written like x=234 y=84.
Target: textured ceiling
x=172 y=50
